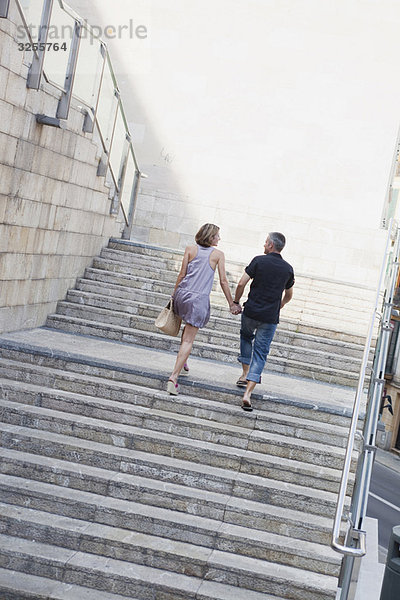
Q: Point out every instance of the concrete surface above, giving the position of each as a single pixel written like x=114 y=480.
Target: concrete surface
x=322 y=396
x=293 y=390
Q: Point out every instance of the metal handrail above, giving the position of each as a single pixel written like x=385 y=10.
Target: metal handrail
x=72 y=13
x=335 y=543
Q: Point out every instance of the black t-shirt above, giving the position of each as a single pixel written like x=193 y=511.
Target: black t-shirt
x=271 y=275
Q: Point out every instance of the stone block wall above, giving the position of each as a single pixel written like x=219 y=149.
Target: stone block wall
x=54 y=209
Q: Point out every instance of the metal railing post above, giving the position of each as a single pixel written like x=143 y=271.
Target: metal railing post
x=126 y=234
x=65 y=100
x=4 y=6
x=36 y=68
x=121 y=174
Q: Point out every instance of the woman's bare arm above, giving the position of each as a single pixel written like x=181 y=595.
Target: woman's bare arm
x=224 y=281
x=184 y=265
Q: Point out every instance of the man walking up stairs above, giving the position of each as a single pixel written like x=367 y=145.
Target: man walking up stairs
x=112 y=489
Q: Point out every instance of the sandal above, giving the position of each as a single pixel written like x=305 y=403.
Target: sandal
x=247 y=406
x=241 y=383
x=184 y=370
x=172 y=388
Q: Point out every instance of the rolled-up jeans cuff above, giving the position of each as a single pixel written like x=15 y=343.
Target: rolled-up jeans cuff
x=255 y=378
x=244 y=360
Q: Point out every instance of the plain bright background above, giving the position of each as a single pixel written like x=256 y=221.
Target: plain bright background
x=280 y=103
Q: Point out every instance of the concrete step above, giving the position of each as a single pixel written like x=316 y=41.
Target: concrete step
x=168 y=259
x=118 y=292
x=285 y=346
x=152 y=550
x=320 y=308
x=160 y=262
x=102 y=374
x=63 y=446
x=114 y=290
x=284 y=365
x=145 y=489
x=108 y=574
x=294 y=310
x=120 y=311
x=258 y=453
x=154 y=265
x=34 y=378
x=137 y=270
x=23 y=586
x=107 y=470
x=134 y=282
x=285 y=468
x=240 y=500
x=146 y=250
x=111 y=486
x=342 y=307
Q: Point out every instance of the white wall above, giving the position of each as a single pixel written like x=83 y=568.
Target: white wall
x=271 y=111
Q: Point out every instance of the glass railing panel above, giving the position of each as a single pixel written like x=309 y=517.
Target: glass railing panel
x=61 y=31
x=88 y=69
x=119 y=144
x=94 y=85
x=126 y=192
x=107 y=106
x=33 y=14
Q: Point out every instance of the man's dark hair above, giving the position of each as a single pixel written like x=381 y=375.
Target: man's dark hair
x=278 y=240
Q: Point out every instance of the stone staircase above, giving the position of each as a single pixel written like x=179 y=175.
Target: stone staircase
x=111 y=489
x=121 y=294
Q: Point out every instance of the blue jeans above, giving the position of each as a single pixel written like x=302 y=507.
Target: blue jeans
x=255 y=354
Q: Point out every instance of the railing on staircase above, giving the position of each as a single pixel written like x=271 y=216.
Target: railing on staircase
x=78 y=65
x=355 y=542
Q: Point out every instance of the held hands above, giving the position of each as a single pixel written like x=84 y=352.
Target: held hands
x=235 y=309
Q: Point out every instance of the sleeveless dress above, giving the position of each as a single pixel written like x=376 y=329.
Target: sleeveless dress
x=192 y=297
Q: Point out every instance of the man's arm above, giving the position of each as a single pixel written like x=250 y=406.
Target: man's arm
x=244 y=280
x=287 y=296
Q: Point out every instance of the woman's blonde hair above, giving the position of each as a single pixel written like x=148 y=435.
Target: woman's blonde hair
x=205 y=234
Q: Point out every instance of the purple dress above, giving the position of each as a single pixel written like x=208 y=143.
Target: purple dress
x=192 y=297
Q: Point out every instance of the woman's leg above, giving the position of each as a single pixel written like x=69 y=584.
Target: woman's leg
x=188 y=336
x=185 y=368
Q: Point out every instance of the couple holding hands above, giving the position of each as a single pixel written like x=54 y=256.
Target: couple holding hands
x=271 y=288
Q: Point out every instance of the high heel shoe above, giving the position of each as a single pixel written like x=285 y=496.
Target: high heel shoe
x=184 y=370
x=172 y=388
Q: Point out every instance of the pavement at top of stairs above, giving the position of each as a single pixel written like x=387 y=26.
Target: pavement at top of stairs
x=299 y=391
